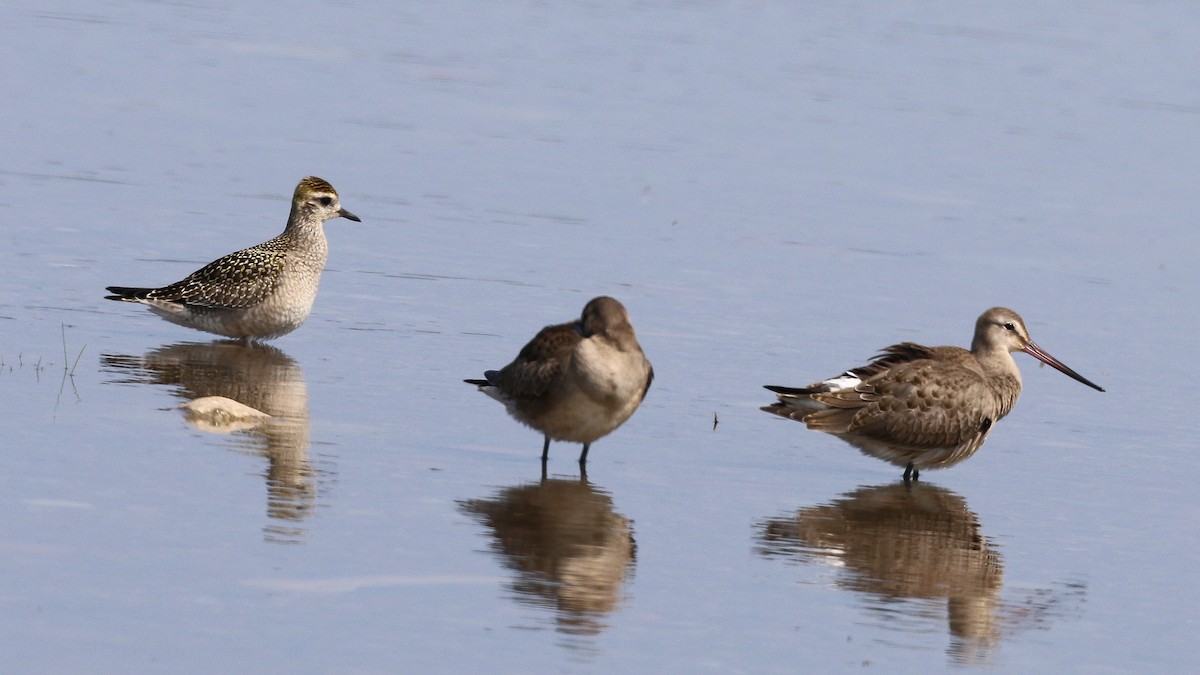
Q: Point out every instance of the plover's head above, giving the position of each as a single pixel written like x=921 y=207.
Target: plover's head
x=317 y=198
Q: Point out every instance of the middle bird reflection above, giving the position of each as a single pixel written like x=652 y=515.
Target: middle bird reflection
x=904 y=541
x=255 y=392
x=571 y=551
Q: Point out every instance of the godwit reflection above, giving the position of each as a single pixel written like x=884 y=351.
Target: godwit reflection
x=257 y=394
x=570 y=550
x=918 y=542
x=903 y=541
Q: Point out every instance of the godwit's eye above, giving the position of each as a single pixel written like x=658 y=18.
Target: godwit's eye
x=325 y=201
x=1008 y=325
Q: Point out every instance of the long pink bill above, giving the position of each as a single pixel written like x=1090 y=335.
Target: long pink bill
x=1040 y=354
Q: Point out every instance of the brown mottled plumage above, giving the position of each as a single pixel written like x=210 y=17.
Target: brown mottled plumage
x=923 y=407
x=259 y=292
x=575 y=381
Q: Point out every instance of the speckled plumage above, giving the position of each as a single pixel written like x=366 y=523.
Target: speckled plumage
x=260 y=292
x=922 y=407
x=575 y=381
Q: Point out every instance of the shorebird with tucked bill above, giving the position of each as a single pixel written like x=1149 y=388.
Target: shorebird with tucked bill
x=261 y=292
x=923 y=407
x=575 y=381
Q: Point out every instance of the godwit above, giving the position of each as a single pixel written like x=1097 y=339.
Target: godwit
x=260 y=292
x=575 y=381
x=923 y=407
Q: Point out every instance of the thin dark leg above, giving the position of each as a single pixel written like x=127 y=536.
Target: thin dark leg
x=583 y=455
x=545 y=449
x=543 y=469
x=911 y=472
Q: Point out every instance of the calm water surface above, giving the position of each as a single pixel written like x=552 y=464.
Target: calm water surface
x=773 y=193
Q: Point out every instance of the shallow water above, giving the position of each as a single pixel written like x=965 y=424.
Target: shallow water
x=773 y=193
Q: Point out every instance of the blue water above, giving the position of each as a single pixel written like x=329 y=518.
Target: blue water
x=774 y=193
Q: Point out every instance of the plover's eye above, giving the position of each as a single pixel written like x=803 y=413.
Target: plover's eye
x=325 y=201
x=1009 y=326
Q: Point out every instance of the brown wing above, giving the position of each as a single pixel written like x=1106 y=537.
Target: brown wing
x=540 y=362
x=890 y=357
x=241 y=279
x=797 y=403
x=924 y=404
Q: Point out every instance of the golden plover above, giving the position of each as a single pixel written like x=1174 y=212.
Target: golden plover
x=257 y=293
x=575 y=381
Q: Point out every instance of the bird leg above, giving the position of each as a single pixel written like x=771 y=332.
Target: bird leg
x=583 y=455
x=911 y=472
x=545 y=449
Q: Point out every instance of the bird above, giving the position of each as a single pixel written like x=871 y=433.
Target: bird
x=575 y=381
x=923 y=407
x=257 y=293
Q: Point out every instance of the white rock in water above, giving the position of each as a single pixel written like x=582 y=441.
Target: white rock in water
x=222 y=415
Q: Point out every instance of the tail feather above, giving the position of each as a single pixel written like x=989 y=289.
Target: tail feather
x=128 y=293
x=831 y=420
x=794 y=402
x=784 y=410
x=491 y=376
x=790 y=391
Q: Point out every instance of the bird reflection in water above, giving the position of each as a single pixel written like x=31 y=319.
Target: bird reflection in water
x=257 y=394
x=913 y=541
x=571 y=552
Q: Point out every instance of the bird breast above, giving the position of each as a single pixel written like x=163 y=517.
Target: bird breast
x=608 y=374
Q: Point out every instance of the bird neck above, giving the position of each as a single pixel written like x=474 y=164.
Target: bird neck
x=622 y=338
x=304 y=239
x=302 y=223
x=1002 y=376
